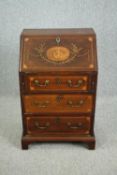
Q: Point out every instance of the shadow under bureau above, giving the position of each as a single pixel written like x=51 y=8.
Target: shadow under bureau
x=58 y=80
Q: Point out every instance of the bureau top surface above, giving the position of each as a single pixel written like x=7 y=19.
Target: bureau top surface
x=54 y=50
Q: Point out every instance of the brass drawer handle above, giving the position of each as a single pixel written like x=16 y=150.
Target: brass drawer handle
x=79 y=83
x=41 y=104
x=37 y=83
x=37 y=125
x=76 y=126
x=77 y=104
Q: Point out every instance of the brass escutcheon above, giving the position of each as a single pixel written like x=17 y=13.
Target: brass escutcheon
x=57 y=120
x=58 y=81
x=58 y=39
x=59 y=98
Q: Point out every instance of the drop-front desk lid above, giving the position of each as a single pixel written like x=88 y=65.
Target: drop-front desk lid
x=54 y=50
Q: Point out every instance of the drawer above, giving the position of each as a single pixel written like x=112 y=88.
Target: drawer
x=37 y=83
x=38 y=125
x=57 y=103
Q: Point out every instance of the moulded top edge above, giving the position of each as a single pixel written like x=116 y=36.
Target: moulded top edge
x=65 y=31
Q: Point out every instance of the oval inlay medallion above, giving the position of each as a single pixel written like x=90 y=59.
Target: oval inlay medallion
x=58 y=53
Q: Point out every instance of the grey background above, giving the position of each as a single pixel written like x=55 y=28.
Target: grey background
x=58 y=158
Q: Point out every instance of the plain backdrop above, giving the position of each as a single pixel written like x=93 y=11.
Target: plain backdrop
x=58 y=158
x=15 y=15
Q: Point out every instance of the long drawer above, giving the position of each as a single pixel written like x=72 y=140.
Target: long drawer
x=36 y=83
x=44 y=125
x=57 y=103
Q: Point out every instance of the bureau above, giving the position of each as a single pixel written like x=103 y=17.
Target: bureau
x=58 y=80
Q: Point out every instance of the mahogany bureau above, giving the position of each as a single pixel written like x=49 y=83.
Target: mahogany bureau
x=58 y=79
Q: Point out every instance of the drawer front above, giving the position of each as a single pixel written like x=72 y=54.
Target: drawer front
x=37 y=125
x=57 y=103
x=45 y=83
